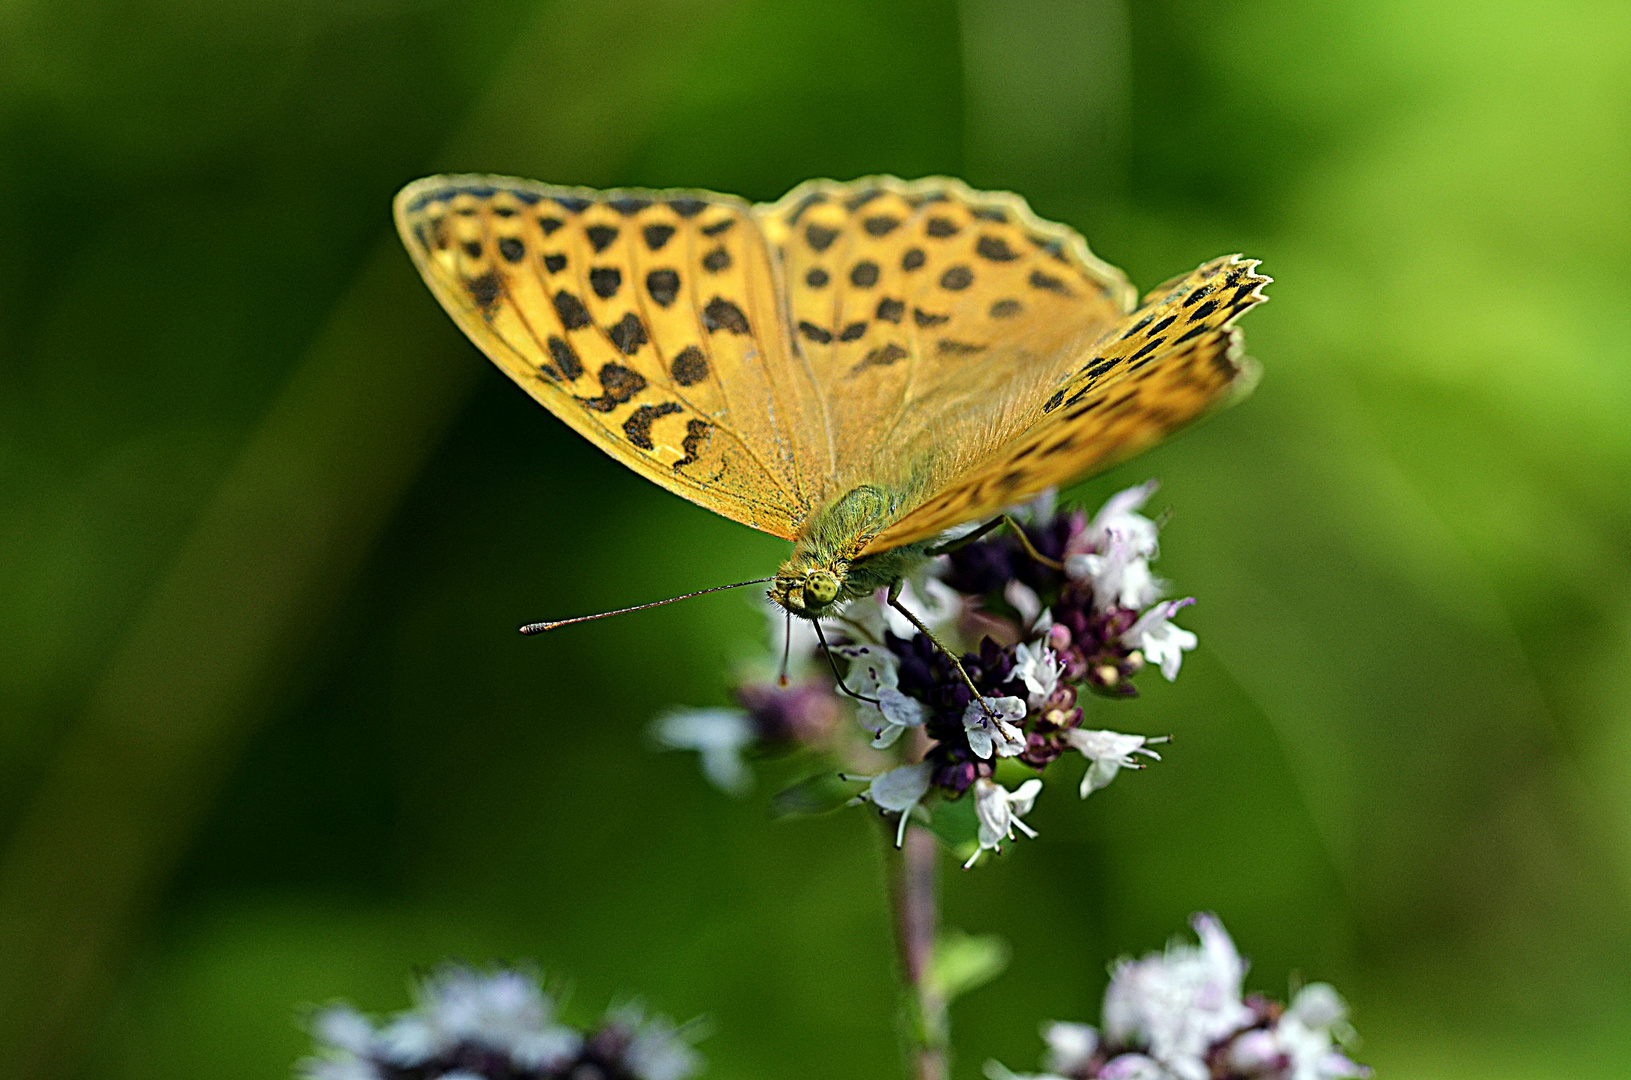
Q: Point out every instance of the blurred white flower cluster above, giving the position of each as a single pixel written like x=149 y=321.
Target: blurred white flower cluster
x=499 y=1025
x=1180 y=1015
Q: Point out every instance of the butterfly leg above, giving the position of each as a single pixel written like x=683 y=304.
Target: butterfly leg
x=821 y=636
x=1001 y=519
x=894 y=602
x=1025 y=542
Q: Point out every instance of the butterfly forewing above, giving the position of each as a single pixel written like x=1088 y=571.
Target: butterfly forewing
x=614 y=311
x=1157 y=370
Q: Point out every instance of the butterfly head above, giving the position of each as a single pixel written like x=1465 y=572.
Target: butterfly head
x=810 y=592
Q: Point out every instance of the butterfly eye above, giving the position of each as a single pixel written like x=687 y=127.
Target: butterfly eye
x=822 y=586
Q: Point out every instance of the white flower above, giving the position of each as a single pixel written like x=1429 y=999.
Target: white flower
x=1302 y=1046
x=899 y=790
x=504 y=1011
x=996 y=1070
x=1133 y=1067
x=1108 y=752
x=1163 y=643
x=899 y=712
x=1119 y=515
x=1180 y=1002
x=876 y=673
x=871 y=668
x=718 y=735
x=657 y=1050
x=989 y=724
x=1070 y=1046
x=1023 y=599
x=1039 y=668
x=999 y=811
x=1120 y=576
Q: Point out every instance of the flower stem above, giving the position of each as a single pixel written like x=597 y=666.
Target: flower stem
x=916 y=924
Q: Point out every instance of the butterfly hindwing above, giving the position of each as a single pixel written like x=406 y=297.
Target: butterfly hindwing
x=929 y=315
x=1157 y=370
x=647 y=321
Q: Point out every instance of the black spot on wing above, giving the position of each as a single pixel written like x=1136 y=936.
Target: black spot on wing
x=566 y=357
x=485 y=290
x=1006 y=309
x=881 y=224
x=925 y=318
x=1194 y=331
x=689 y=366
x=813 y=199
x=718 y=227
x=637 y=428
x=995 y=248
x=1039 y=280
x=812 y=332
x=957 y=278
x=512 y=249
x=605 y=280
x=941 y=227
x=550 y=224
x=504 y=211
x=816 y=278
x=574 y=316
x=948 y=347
x=572 y=204
x=890 y=310
x=882 y=356
x=991 y=213
x=554 y=263
x=696 y=434
x=864 y=275
x=913 y=259
x=656 y=236
x=716 y=260
x=663 y=285
x=860 y=199
x=619 y=385
x=820 y=237
x=721 y=314
x=1054 y=402
x=472 y=248
x=855 y=331
x=1195 y=295
x=687 y=208
x=601 y=236
x=628 y=206
x=628 y=334
x=1204 y=310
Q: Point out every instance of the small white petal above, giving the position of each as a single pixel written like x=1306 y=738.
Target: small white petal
x=900 y=789
x=901 y=710
x=1069 y=1046
x=1132 y=1067
x=988 y=733
x=344 y=1028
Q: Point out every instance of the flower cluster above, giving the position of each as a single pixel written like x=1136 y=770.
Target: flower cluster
x=1069 y=606
x=470 y=1025
x=1180 y=1015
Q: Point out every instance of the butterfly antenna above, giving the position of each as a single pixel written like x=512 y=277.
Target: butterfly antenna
x=787 y=648
x=821 y=635
x=540 y=627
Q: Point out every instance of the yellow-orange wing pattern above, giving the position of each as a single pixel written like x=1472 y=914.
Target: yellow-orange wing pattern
x=934 y=319
x=648 y=321
x=1156 y=370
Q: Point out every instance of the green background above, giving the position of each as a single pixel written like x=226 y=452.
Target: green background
x=267 y=524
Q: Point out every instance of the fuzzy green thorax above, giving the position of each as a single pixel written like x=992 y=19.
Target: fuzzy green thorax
x=827 y=569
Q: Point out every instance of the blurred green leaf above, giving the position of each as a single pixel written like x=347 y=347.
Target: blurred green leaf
x=964 y=962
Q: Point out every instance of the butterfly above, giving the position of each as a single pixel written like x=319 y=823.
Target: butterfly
x=857 y=367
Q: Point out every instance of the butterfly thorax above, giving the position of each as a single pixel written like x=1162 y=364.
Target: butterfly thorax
x=827 y=569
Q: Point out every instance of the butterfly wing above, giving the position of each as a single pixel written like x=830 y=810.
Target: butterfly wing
x=647 y=321
x=934 y=320
x=1153 y=372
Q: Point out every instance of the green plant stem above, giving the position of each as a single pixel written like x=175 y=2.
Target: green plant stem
x=915 y=903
